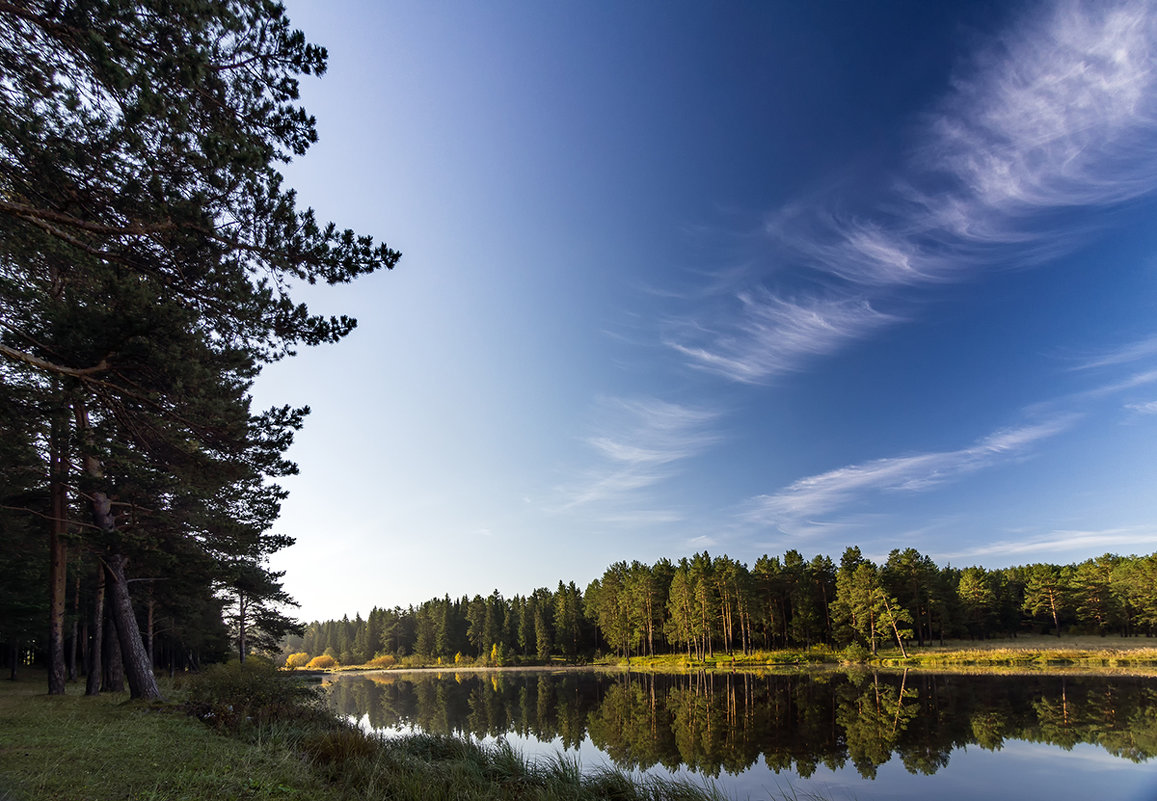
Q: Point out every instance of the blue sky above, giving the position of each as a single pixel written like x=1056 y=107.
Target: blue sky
x=737 y=277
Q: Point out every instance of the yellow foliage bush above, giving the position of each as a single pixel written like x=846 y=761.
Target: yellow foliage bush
x=382 y=661
x=322 y=662
x=297 y=660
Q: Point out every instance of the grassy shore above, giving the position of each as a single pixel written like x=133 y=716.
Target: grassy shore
x=76 y=748
x=255 y=735
x=1031 y=651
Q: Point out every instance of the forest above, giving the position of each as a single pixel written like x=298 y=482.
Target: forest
x=702 y=605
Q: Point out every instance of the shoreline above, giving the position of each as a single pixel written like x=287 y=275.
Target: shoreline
x=1140 y=660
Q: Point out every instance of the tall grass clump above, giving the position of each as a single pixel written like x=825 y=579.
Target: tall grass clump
x=446 y=768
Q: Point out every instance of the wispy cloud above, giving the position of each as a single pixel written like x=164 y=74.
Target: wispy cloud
x=1149 y=407
x=1123 y=354
x=639 y=442
x=1059 y=114
x=823 y=493
x=770 y=335
x=1115 y=540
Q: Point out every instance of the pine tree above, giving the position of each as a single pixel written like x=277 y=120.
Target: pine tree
x=146 y=247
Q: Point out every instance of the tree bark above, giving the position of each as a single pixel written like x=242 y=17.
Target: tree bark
x=58 y=571
x=114 y=672
x=150 y=626
x=72 y=643
x=58 y=558
x=95 y=642
x=138 y=671
x=241 y=644
x=142 y=682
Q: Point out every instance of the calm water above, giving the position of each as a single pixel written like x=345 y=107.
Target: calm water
x=843 y=735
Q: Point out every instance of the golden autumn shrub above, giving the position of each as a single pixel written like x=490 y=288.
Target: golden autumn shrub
x=322 y=662
x=382 y=661
x=300 y=659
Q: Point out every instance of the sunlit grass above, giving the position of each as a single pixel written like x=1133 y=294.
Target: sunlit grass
x=1029 y=650
x=89 y=749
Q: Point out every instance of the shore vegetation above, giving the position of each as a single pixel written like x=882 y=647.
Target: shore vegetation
x=252 y=732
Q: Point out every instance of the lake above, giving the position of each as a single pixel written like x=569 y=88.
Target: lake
x=838 y=734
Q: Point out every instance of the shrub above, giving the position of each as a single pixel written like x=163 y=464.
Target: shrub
x=382 y=661
x=323 y=662
x=300 y=659
x=854 y=654
x=232 y=696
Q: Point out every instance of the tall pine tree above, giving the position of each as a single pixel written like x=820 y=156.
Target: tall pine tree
x=147 y=248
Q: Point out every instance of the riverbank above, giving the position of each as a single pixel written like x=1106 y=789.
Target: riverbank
x=1034 y=652
x=259 y=735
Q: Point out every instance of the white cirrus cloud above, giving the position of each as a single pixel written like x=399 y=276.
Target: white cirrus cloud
x=1116 y=540
x=767 y=335
x=1123 y=354
x=1149 y=407
x=1061 y=112
x=1058 y=115
x=639 y=443
x=823 y=493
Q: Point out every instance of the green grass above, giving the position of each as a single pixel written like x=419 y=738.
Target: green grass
x=663 y=663
x=255 y=734
x=89 y=749
x=1026 y=651
x=1032 y=651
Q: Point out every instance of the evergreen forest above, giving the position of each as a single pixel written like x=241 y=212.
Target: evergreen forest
x=148 y=256
x=704 y=605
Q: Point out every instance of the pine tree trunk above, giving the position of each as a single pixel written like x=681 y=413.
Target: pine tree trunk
x=138 y=671
x=113 y=680
x=152 y=607
x=95 y=657
x=142 y=682
x=58 y=571
x=58 y=560
x=241 y=644
x=73 y=643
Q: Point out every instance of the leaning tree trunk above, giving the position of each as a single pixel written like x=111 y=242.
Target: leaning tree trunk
x=138 y=671
x=895 y=628
x=142 y=682
x=113 y=680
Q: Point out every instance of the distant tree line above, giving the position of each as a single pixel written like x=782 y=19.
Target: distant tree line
x=703 y=605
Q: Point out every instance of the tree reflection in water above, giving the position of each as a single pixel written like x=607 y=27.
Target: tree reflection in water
x=714 y=722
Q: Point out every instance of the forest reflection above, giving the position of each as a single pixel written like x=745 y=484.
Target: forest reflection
x=716 y=722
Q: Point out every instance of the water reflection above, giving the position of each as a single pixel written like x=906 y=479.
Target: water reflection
x=713 y=723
